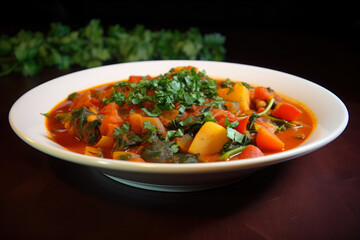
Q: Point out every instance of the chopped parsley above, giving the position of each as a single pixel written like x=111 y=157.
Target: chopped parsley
x=122 y=129
x=182 y=89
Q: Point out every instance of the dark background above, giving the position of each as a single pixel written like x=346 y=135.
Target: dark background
x=330 y=18
x=316 y=196
x=284 y=35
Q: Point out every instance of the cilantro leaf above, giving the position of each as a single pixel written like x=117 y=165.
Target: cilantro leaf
x=72 y=96
x=155 y=113
x=122 y=129
x=231 y=124
x=45 y=114
x=173 y=133
x=166 y=151
x=147 y=125
x=118 y=98
x=234 y=135
x=87 y=132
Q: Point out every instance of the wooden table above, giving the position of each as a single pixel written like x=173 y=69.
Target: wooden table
x=316 y=196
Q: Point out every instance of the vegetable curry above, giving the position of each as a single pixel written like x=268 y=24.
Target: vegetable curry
x=181 y=116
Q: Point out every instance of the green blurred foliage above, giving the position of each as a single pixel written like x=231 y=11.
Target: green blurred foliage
x=29 y=52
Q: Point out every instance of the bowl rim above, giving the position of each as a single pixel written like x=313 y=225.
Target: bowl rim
x=189 y=168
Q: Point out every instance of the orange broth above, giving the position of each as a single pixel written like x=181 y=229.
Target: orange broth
x=292 y=137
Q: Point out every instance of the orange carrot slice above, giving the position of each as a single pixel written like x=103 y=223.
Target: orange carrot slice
x=136 y=122
x=267 y=140
x=109 y=123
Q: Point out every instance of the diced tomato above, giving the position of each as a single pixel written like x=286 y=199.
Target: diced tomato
x=242 y=125
x=262 y=93
x=110 y=122
x=134 y=79
x=250 y=151
x=220 y=114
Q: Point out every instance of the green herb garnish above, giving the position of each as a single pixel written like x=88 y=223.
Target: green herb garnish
x=45 y=114
x=122 y=129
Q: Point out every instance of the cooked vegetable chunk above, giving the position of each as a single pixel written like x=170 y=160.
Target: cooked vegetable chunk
x=286 y=111
x=105 y=142
x=250 y=151
x=209 y=140
x=238 y=93
x=110 y=122
x=154 y=122
x=262 y=93
x=267 y=140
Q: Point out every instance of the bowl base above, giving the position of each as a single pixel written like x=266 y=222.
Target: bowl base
x=172 y=188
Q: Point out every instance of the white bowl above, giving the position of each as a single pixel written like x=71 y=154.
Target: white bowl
x=28 y=124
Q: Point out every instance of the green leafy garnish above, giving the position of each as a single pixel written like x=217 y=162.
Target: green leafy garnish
x=191 y=125
x=282 y=124
x=148 y=125
x=231 y=124
x=248 y=86
x=72 y=96
x=234 y=135
x=232 y=152
x=62 y=117
x=166 y=151
x=173 y=133
x=84 y=130
x=185 y=88
x=155 y=113
x=234 y=146
x=122 y=129
x=228 y=84
x=45 y=114
x=254 y=115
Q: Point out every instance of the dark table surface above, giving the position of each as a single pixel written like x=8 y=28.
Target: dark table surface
x=316 y=196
